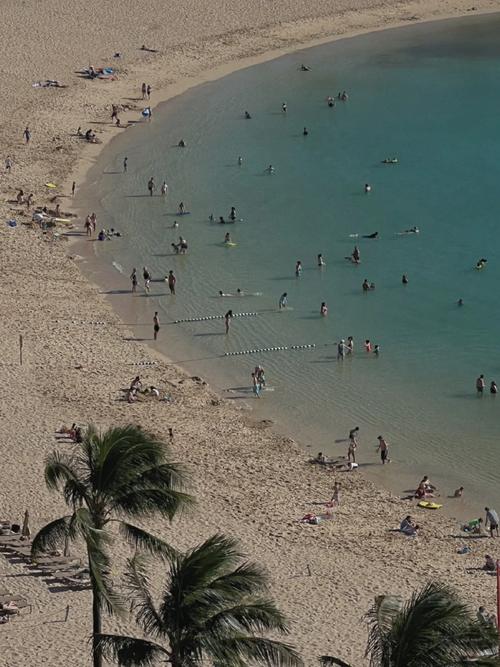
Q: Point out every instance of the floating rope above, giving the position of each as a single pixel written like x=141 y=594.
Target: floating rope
x=270 y=349
x=214 y=317
x=85 y=322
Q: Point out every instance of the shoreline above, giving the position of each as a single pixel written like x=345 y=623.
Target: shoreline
x=250 y=482
x=370 y=467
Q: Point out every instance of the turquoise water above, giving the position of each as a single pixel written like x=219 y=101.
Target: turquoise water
x=428 y=94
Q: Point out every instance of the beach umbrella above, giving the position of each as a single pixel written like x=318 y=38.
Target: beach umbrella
x=26 y=532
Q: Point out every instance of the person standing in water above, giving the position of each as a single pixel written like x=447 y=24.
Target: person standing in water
x=227 y=320
x=493 y=387
x=321 y=261
x=284 y=107
x=341 y=350
x=480 y=385
x=324 y=309
x=232 y=214
x=298 y=268
x=156 y=325
x=171 y=282
x=283 y=301
x=305 y=132
x=147 y=278
x=164 y=189
x=240 y=160
x=383 y=448
x=125 y=164
x=151 y=186
x=404 y=279
x=350 y=344
x=133 y=279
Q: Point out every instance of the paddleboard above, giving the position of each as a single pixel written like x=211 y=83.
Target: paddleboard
x=229 y=244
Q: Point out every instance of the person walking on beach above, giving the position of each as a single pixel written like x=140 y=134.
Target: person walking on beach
x=27 y=134
x=133 y=279
x=156 y=325
x=283 y=301
x=492 y=520
x=171 y=282
x=480 y=385
x=335 y=499
x=351 y=450
x=147 y=278
x=125 y=161
x=151 y=186
x=144 y=89
x=227 y=320
x=383 y=448
x=256 y=385
x=8 y=164
x=73 y=188
x=148 y=91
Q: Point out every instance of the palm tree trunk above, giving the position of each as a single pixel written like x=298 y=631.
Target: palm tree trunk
x=96 y=625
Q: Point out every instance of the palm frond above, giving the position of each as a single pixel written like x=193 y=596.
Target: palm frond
x=255 y=616
x=140 y=501
x=381 y=618
x=99 y=566
x=51 y=536
x=62 y=469
x=328 y=661
x=240 y=650
x=142 y=539
x=137 y=583
x=130 y=652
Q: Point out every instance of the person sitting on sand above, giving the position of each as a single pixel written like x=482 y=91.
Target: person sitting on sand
x=489 y=564
x=348 y=466
x=473 y=526
x=459 y=492
x=407 y=526
x=319 y=458
x=136 y=384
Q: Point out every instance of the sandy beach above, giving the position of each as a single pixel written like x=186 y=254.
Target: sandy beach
x=249 y=482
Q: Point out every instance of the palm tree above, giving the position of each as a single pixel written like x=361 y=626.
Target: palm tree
x=121 y=473
x=433 y=629
x=211 y=608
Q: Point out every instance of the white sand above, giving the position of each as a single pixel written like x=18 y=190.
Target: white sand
x=249 y=483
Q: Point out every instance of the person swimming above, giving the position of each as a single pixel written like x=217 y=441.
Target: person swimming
x=270 y=169
x=240 y=160
x=481 y=263
x=305 y=132
x=284 y=107
x=305 y=68
x=247 y=115
x=412 y=230
x=460 y=302
x=390 y=160
x=182 y=144
x=368 y=188
x=371 y=236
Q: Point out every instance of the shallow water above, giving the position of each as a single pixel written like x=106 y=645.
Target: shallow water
x=428 y=94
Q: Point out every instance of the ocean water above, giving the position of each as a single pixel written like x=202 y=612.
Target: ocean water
x=428 y=94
